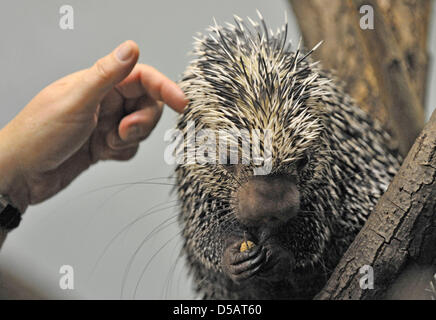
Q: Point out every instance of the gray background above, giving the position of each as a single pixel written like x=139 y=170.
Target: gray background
x=74 y=227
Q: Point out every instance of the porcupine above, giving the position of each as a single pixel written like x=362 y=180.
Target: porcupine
x=330 y=164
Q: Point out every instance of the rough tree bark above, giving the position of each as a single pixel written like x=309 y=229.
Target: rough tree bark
x=400 y=39
x=385 y=71
x=401 y=230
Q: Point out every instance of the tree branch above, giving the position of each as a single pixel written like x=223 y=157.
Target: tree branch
x=401 y=230
x=385 y=71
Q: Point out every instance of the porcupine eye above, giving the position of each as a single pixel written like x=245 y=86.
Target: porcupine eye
x=302 y=162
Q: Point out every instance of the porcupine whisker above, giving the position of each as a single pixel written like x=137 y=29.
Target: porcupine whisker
x=158 y=228
x=231 y=223
x=166 y=287
x=172 y=271
x=236 y=179
x=151 y=259
x=140 y=182
x=216 y=213
x=112 y=196
x=200 y=282
x=128 y=226
x=242 y=185
x=326 y=270
x=111 y=186
x=228 y=172
x=181 y=271
x=179 y=276
x=129 y=184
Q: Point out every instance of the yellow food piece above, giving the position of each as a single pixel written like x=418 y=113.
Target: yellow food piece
x=246 y=245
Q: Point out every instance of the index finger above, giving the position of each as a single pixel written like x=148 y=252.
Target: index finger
x=145 y=79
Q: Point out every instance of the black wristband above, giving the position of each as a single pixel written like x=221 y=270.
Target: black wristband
x=10 y=218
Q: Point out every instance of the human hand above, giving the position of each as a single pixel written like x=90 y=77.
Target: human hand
x=99 y=113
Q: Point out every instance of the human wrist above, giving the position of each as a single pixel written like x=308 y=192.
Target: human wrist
x=12 y=182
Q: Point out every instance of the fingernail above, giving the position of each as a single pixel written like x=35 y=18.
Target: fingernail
x=124 y=51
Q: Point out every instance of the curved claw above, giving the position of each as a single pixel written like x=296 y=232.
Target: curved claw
x=240 y=266
x=245 y=275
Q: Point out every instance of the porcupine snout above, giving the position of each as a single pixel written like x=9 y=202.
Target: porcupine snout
x=267 y=200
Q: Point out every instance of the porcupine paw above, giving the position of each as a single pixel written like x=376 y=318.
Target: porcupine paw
x=240 y=266
x=278 y=264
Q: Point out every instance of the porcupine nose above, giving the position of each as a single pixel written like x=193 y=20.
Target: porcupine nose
x=266 y=200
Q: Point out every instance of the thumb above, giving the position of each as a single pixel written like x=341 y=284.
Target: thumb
x=110 y=70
